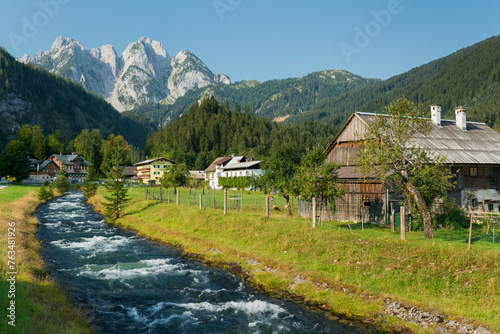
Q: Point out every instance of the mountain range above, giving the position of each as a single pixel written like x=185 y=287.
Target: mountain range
x=143 y=73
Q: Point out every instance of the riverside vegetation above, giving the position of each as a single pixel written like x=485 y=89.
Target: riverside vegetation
x=41 y=307
x=348 y=273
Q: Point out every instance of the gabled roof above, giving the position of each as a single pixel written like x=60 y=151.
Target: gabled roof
x=242 y=165
x=67 y=159
x=480 y=144
x=217 y=161
x=129 y=171
x=146 y=162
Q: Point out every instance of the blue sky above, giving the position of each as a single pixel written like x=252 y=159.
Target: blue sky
x=262 y=40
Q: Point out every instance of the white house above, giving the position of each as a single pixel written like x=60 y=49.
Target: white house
x=237 y=166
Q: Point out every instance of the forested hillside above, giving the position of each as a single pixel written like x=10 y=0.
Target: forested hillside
x=469 y=77
x=273 y=98
x=212 y=129
x=30 y=95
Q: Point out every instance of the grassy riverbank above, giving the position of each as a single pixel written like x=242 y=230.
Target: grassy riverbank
x=40 y=307
x=349 y=273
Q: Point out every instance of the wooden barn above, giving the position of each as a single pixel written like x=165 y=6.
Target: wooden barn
x=472 y=149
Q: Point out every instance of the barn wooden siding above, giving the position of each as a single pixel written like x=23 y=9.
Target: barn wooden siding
x=361 y=202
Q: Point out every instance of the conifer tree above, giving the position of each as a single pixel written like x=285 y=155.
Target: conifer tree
x=117 y=193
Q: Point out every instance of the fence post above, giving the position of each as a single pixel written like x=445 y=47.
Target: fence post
x=470 y=228
x=267 y=207
x=314 y=211
x=189 y=198
x=403 y=222
x=161 y=195
x=201 y=205
x=214 y=199
x=146 y=193
x=225 y=201
x=177 y=200
x=168 y=196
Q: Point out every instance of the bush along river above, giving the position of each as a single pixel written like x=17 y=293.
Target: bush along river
x=134 y=285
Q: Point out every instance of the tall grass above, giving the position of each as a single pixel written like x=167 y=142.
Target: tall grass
x=40 y=306
x=350 y=272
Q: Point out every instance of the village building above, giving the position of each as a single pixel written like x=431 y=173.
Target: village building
x=472 y=150
x=238 y=166
x=75 y=165
x=214 y=172
x=130 y=173
x=151 y=171
x=41 y=170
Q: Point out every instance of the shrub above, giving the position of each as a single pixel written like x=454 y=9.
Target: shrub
x=451 y=216
x=45 y=193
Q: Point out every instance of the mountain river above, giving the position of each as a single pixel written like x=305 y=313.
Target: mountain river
x=134 y=285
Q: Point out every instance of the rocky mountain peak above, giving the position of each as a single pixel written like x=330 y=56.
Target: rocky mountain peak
x=144 y=72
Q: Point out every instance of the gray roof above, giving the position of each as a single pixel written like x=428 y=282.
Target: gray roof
x=217 y=161
x=480 y=144
x=243 y=165
x=67 y=159
x=145 y=162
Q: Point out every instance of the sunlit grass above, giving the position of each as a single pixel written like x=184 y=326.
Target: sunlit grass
x=360 y=268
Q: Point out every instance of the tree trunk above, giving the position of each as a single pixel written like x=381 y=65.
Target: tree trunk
x=422 y=208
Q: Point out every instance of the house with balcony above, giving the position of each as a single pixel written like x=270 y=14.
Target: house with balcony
x=75 y=165
x=151 y=171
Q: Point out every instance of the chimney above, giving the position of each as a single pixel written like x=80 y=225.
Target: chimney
x=436 y=114
x=461 y=119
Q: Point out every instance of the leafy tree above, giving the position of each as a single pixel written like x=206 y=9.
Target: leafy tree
x=421 y=175
x=280 y=169
x=177 y=176
x=33 y=140
x=117 y=193
x=56 y=142
x=317 y=178
x=89 y=145
x=62 y=182
x=14 y=161
x=115 y=152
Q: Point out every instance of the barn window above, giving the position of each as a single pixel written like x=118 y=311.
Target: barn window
x=474 y=202
x=473 y=171
x=490 y=206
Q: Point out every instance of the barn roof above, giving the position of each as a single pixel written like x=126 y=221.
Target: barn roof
x=480 y=144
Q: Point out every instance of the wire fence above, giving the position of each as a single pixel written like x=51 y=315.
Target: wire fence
x=237 y=200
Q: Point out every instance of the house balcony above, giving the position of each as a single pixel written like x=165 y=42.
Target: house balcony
x=143 y=169
x=144 y=175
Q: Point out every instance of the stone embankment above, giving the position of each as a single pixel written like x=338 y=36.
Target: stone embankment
x=426 y=319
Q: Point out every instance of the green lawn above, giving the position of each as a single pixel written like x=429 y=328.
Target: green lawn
x=13 y=192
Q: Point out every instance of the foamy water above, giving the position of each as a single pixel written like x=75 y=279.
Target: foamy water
x=134 y=285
